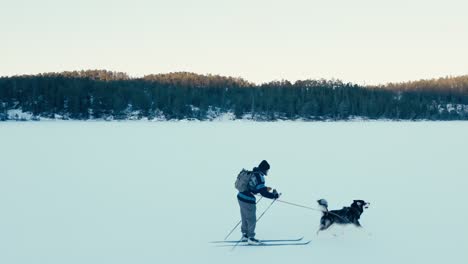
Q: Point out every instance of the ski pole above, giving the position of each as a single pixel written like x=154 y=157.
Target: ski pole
x=240 y=222
x=258 y=219
x=233 y=230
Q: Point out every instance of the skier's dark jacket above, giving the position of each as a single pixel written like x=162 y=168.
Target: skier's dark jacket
x=248 y=196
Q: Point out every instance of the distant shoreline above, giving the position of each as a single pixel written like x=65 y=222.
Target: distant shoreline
x=106 y=95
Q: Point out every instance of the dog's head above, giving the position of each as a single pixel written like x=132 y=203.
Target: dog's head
x=361 y=204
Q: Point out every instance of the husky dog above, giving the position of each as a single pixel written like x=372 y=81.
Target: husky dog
x=347 y=215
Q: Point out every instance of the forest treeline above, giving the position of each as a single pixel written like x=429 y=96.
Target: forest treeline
x=100 y=94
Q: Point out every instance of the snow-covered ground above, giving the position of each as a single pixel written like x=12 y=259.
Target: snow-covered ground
x=149 y=192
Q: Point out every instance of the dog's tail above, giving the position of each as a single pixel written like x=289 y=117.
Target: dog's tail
x=323 y=204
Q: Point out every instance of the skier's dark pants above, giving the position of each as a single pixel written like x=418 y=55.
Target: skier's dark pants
x=249 y=218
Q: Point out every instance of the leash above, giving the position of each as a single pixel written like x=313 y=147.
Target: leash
x=298 y=205
x=294 y=204
x=314 y=209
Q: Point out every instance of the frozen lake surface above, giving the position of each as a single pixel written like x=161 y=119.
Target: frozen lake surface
x=143 y=192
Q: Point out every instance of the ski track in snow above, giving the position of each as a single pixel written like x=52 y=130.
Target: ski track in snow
x=136 y=192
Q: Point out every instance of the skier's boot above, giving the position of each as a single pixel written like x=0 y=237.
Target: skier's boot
x=253 y=241
x=244 y=238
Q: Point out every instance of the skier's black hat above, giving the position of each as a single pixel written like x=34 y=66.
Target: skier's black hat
x=264 y=166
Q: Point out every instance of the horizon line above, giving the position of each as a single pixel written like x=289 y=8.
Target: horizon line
x=141 y=76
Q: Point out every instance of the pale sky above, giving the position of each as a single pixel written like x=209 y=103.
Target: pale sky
x=361 y=41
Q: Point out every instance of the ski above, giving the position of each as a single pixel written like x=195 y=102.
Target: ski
x=270 y=244
x=262 y=240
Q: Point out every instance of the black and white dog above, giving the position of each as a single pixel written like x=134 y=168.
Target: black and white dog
x=347 y=215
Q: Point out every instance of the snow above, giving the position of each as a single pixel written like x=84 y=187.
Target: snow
x=455 y=108
x=158 y=192
x=18 y=114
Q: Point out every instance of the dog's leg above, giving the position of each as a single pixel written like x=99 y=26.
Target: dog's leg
x=324 y=224
x=357 y=224
x=321 y=229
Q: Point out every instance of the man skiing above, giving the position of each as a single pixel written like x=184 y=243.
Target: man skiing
x=247 y=201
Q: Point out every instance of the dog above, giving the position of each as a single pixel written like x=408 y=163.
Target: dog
x=347 y=215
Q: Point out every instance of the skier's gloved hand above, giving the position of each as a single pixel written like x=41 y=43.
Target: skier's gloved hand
x=276 y=194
